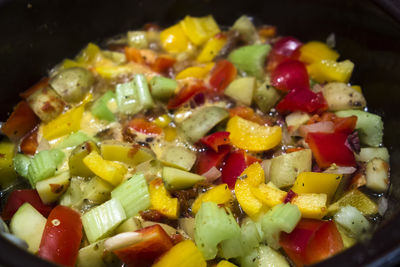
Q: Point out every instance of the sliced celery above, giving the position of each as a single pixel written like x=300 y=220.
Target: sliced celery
x=282 y=217
x=100 y=221
x=143 y=91
x=133 y=194
x=269 y=257
x=100 y=109
x=129 y=225
x=21 y=164
x=214 y=224
x=73 y=140
x=353 y=220
x=242 y=90
x=44 y=164
x=127 y=98
x=162 y=88
x=201 y=122
x=251 y=259
x=368 y=153
x=250 y=59
x=178 y=179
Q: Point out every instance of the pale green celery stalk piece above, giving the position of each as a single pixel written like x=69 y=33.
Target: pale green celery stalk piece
x=162 y=88
x=269 y=257
x=214 y=224
x=352 y=219
x=133 y=194
x=127 y=98
x=100 y=109
x=282 y=217
x=100 y=221
x=143 y=91
x=21 y=164
x=74 y=139
x=44 y=165
x=178 y=179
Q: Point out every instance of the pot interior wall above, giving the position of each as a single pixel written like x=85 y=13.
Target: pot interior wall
x=37 y=34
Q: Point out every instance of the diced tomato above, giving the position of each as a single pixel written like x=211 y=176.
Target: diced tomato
x=248 y=114
x=289 y=75
x=21 y=121
x=299 y=99
x=285 y=48
x=251 y=159
x=19 y=197
x=216 y=139
x=143 y=126
x=185 y=94
x=329 y=148
x=293 y=149
x=222 y=75
x=133 y=54
x=345 y=125
x=30 y=143
x=163 y=63
x=62 y=236
x=311 y=241
x=234 y=166
x=39 y=85
x=155 y=241
x=209 y=158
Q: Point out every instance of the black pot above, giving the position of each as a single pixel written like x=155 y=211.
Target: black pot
x=37 y=34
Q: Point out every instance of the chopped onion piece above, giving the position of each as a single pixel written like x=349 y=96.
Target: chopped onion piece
x=321 y=127
x=340 y=170
x=122 y=240
x=212 y=174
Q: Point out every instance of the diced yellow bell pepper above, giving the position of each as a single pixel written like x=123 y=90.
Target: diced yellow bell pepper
x=211 y=48
x=316 y=182
x=183 y=254
x=225 y=263
x=68 y=63
x=112 y=172
x=174 y=40
x=195 y=72
x=357 y=88
x=251 y=136
x=64 y=124
x=331 y=71
x=219 y=194
x=7 y=172
x=89 y=55
x=162 y=121
x=310 y=205
x=315 y=51
x=356 y=199
x=169 y=133
x=124 y=152
x=161 y=199
x=111 y=72
x=199 y=30
x=254 y=174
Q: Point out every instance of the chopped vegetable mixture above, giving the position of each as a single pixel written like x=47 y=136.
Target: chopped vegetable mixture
x=194 y=145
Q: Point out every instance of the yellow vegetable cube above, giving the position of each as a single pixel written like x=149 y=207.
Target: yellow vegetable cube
x=110 y=171
x=64 y=124
x=162 y=201
x=316 y=51
x=244 y=195
x=174 y=40
x=254 y=174
x=225 y=263
x=270 y=196
x=219 y=194
x=311 y=206
x=316 y=182
x=331 y=71
x=251 y=136
x=162 y=121
x=124 y=152
x=211 y=48
x=356 y=199
x=199 y=30
x=195 y=72
x=183 y=254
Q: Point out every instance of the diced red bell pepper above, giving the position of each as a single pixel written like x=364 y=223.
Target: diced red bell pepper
x=248 y=114
x=209 y=158
x=19 y=197
x=30 y=143
x=299 y=99
x=251 y=159
x=345 y=125
x=285 y=48
x=133 y=54
x=216 y=139
x=311 y=241
x=185 y=94
x=289 y=75
x=222 y=75
x=234 y=166
x=155 y=241
x=163 y=63
x=143 y=126
x=62 y=236
x=329 y=148
x=21 y=121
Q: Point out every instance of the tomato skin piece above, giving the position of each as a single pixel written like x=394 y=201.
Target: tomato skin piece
x=285 y=48
x=19 y=197
x=222 y=75
x=290 y=74
x=311 y=241
x=209 y=158
x=216 y=139
x=185 y=94
x=345 y=125
x=163 y=63
x=155 y=241
x=62 y=236
x=30 y=143
x=21 y=121
x=329 y=148
x=143 y=126
x=235 y=164
x=299 y=99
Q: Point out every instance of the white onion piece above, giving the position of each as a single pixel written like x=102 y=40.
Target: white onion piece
x=122 y=240
x=212 y=174
x=321 y=127
x=382 y=205
x=340 y=170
